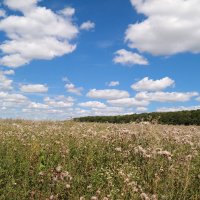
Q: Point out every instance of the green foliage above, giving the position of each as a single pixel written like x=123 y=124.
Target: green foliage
x=170 y=118
x=72 y=161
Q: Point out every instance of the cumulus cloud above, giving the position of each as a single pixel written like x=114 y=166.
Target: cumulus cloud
x=113 y=83
x=13 y=98
x=2 y=13
x=35 y=88
x=170 y=27
x=166 y=96
x=141 y=109
x=180 y=108
x=68 y=12
x=35 y=105
x=59 y=102
x=109 y=94
x=93 y=104
x=71 y=88
x=87 y=25
x=128 y=102
x=36 y=33
x=147 y=84
x=9 y=72
x=125 y=57
x=5 y=83
x=198 y=99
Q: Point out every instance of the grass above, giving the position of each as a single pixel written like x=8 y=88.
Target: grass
x=72 y=161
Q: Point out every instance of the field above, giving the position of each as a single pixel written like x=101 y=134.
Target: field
x=72 y=161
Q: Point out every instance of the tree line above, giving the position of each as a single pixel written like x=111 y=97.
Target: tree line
x=170 y=118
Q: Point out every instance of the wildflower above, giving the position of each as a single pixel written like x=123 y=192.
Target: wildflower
x=68 y=186
x=144 y=196
x=94 y=198
x=119 y=149
x=98 y=192
x=89 y=186
x=51 y=197
x=58 y=169
x=41 y=173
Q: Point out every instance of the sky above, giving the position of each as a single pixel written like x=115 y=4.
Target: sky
x=61 y=59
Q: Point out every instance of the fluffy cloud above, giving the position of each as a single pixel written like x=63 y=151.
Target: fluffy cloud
x=5 y=83
x=170 y=27
x=180 y=108
x=39 y=33
x=34 y=105
x=165 y=96
x=109 y=94
x=37 y=88
x=87 y=25
x=93 y=104
x=147 y=84
x=113 y=83
x=73 y=89
x=14 y=99
x=59 y=102
x=2 y=13
x=142 y=109
x=128 y=102
x=21 y=5
x=125 y=57
x=9 y=72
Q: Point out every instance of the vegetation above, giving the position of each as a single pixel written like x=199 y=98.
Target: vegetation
x=70 y=160
x=173 y=118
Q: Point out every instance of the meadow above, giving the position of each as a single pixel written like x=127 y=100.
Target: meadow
x=91 y=161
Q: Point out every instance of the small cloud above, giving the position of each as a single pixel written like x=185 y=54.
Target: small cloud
x=108 y=94
x=87 y=26
x=93 y=104
x=34 y=88
x=71 y=88
x=147 y=84
x=113 y=83
x=125 y=57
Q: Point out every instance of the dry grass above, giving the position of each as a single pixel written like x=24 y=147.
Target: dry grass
x=72 y=161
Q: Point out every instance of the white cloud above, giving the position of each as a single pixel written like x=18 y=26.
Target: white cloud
x=125 y=57
x=107 y=111
x=36 y=88
x=93 y=104
x=5 y=83
x=198 y=99
x=147 y=84
x=165 y=96
x=12 y=98
x=68 y=12
x=180 y=108
x=21 y=5
x=73 y=89
x=128 y=102
x=113 y=83
x=59 y=102
x=142 y=109
x=87 y=25
x=170 y=27
x=38 y=106
x=109 y=94
x=39 y=33
x=9 y=72
x=2 y=13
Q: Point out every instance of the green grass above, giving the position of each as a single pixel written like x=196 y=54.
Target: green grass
x=68 y=160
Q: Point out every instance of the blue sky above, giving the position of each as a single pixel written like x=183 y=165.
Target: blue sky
x=62 y=59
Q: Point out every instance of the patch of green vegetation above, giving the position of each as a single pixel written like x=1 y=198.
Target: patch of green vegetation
x=69 y=160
